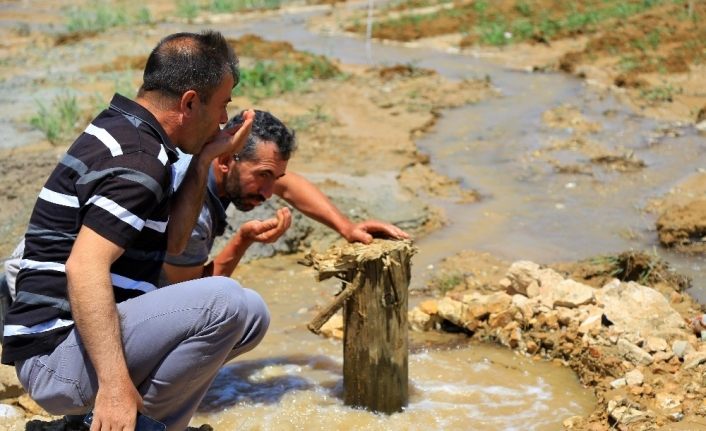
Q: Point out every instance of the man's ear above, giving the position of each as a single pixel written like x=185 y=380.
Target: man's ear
x=189 y=103
x=224 y=162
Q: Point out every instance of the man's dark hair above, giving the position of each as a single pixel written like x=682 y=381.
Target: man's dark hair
x=266 y=128
x=190 y=61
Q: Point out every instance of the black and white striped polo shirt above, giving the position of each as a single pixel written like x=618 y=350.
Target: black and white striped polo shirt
x=116 y=180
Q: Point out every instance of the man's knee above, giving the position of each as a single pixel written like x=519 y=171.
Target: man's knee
x=239 y=305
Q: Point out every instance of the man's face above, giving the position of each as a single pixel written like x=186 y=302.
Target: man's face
x=249 y=183
x=211 y=115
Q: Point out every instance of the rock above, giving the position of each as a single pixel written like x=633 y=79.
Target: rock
x=9 y=412
x=625 y=414
x=523 y=304
x=656 y=317
x=634 y=378
x=10 y=387
x=333 y=328
x=694 y=359
x=522 y=275
x=477 y=312
x=668 y=401
x=419 y=321
x=429 y=306
x=633 y=353
x=592 y=324
x=681 y=348
x=565 y=316
x=31 y=406
x=532 y=347
x=498 y=302
x=618 y=383
x=500 y=320
x=547 y=277
x=662 y=356
x=655 y=344
x=573 y=422
x=571 y=294
x=452 y=310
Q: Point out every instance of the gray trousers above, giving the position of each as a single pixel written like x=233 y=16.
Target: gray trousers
x=175 y=340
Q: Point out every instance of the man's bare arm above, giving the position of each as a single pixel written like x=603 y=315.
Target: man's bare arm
x=95 y=313
x=307 y=198
x=224 y=263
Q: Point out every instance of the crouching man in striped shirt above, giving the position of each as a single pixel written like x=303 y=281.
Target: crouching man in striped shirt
x=88 y=329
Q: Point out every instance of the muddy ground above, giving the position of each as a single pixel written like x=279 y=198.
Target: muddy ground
x=346 y=147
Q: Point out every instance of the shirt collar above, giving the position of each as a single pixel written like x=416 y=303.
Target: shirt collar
x=129 y=107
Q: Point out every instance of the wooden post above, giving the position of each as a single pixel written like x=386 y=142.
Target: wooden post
x=374 y=299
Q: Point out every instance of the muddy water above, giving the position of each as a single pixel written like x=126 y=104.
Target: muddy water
x=293 y=380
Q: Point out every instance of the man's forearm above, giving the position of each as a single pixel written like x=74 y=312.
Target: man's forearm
x=186 y=205
x=225 y=262
x=307 y=198
x=93 y=305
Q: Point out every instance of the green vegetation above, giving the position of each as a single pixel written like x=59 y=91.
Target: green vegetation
x=102 y=16
x=445 y=282
x=190 y=9
x=662 y=93
x=315 y=116
x=58 y=121
x=268 y=79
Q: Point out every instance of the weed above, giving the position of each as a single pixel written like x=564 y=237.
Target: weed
x=523 y=8
x=445 y=282
x=188 y=9
x=58 y=121
x=522 y=29
x=480 y=6
x=143 y=16
x=662 y=93
x=98 y=18
x=628 y=63
x=310 y=119
x=494 y=33
x=268 y=79
x=654 y=38
x=225 y=6
x=102 y=16
x=548 y=27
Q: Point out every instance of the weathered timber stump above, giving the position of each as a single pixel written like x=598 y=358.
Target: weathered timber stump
x=374 y=299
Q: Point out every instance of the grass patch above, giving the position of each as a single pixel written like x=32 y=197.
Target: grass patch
x=190 y=9
x=311 y=119
x=102 y=16
x=445 y=282
x=58 y=121
x=269 y=78
x=659 y=94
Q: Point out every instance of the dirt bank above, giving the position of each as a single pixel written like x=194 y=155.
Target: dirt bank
x=645 y=367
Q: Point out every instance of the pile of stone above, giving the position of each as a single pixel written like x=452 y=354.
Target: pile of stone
x=624 y=340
